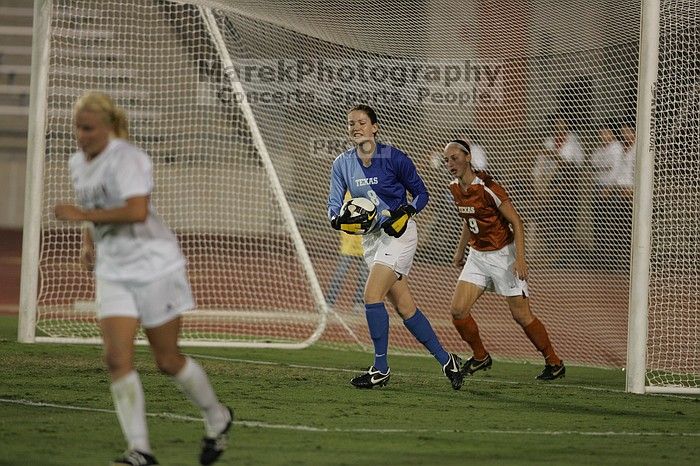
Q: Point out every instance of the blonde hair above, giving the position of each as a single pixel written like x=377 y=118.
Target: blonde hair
x=101 y=103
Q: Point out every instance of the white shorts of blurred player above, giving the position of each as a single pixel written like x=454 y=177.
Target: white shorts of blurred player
x=153 y=303
x=396 y=253
x=494 y=271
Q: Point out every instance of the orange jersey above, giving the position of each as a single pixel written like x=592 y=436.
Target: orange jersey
x=478 y=205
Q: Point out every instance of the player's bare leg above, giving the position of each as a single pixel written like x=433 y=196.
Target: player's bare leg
x=192 y=379
x=118 y=335
x=400 y=296
x=465 y=296
x=380 y=280
x=537 y=333
x=163 y=341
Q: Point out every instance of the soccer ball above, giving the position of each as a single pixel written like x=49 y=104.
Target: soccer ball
x=358 y=211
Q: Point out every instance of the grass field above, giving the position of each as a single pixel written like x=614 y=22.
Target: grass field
x=297 y=408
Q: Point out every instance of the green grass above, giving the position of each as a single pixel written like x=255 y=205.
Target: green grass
x=297 y=408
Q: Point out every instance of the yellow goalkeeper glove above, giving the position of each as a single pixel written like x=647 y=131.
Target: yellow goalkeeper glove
x=351 y=228
x=339 y=222
x=398 y=220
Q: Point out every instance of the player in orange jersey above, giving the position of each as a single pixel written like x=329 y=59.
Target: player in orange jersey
x=496 y=260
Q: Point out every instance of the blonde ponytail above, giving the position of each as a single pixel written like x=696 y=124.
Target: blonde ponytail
x=121 y=124
x=102 y=104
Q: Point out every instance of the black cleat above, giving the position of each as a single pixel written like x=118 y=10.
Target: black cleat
x=135 y=458
x=473 y=365
x=452 y=369
x=372 y=378
x=213 y=447
x=552 y=372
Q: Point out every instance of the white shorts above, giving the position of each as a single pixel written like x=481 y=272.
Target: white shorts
x=153 y=303
x=396 y=253
x=493 y=271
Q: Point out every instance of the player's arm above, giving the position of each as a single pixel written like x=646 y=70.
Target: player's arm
x=458 y=258
x=397 y=221
x=507 y=209
x=134 y=210
x=336 y=193
x=87 y=248
x=408 y=175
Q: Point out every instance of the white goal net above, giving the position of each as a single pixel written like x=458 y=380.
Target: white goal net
x=547 y=90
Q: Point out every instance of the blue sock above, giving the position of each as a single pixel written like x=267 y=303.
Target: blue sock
x=421 y=329
x=378 y=323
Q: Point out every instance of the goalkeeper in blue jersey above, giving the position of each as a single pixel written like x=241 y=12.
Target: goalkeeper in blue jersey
x=383 y=174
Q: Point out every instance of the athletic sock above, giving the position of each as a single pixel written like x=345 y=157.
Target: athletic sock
x=537 y=334
x=420 y=327
x=469 y=332
x=378 y=324
x=194 y=382
x=127 y=393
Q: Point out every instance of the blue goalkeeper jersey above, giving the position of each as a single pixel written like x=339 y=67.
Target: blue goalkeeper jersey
x=385 y=182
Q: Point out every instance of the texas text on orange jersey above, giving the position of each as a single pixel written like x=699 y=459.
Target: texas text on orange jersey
x=478 y=205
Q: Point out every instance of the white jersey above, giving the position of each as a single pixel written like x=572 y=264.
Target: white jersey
x=571 y=150
x=624 y=176
x=137 y=252
x=606 y=161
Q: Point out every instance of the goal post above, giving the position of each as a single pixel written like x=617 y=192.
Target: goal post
x=643 y=200
x=285 y=210
x=241 y=106
x=31 y=242
x=664 y=344
x=310 y=320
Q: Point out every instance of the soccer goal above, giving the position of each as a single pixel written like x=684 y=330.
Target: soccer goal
x=241 y=106
x=664 y=337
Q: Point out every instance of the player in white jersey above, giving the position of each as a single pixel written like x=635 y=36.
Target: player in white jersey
x=384 y=174
x=140 y=274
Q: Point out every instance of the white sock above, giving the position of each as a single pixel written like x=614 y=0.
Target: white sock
x=127 y=393
x=195 y=383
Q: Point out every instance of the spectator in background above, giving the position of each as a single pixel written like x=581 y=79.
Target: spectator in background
x=625 y=175
x=566 y=151
x=606 y=162
x=608 y=156
x=624 y=181
x=543 y=171
x=350 y=252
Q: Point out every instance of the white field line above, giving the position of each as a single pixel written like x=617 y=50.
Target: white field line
x=265 y=425
x=469 y=380
x=476 y=379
